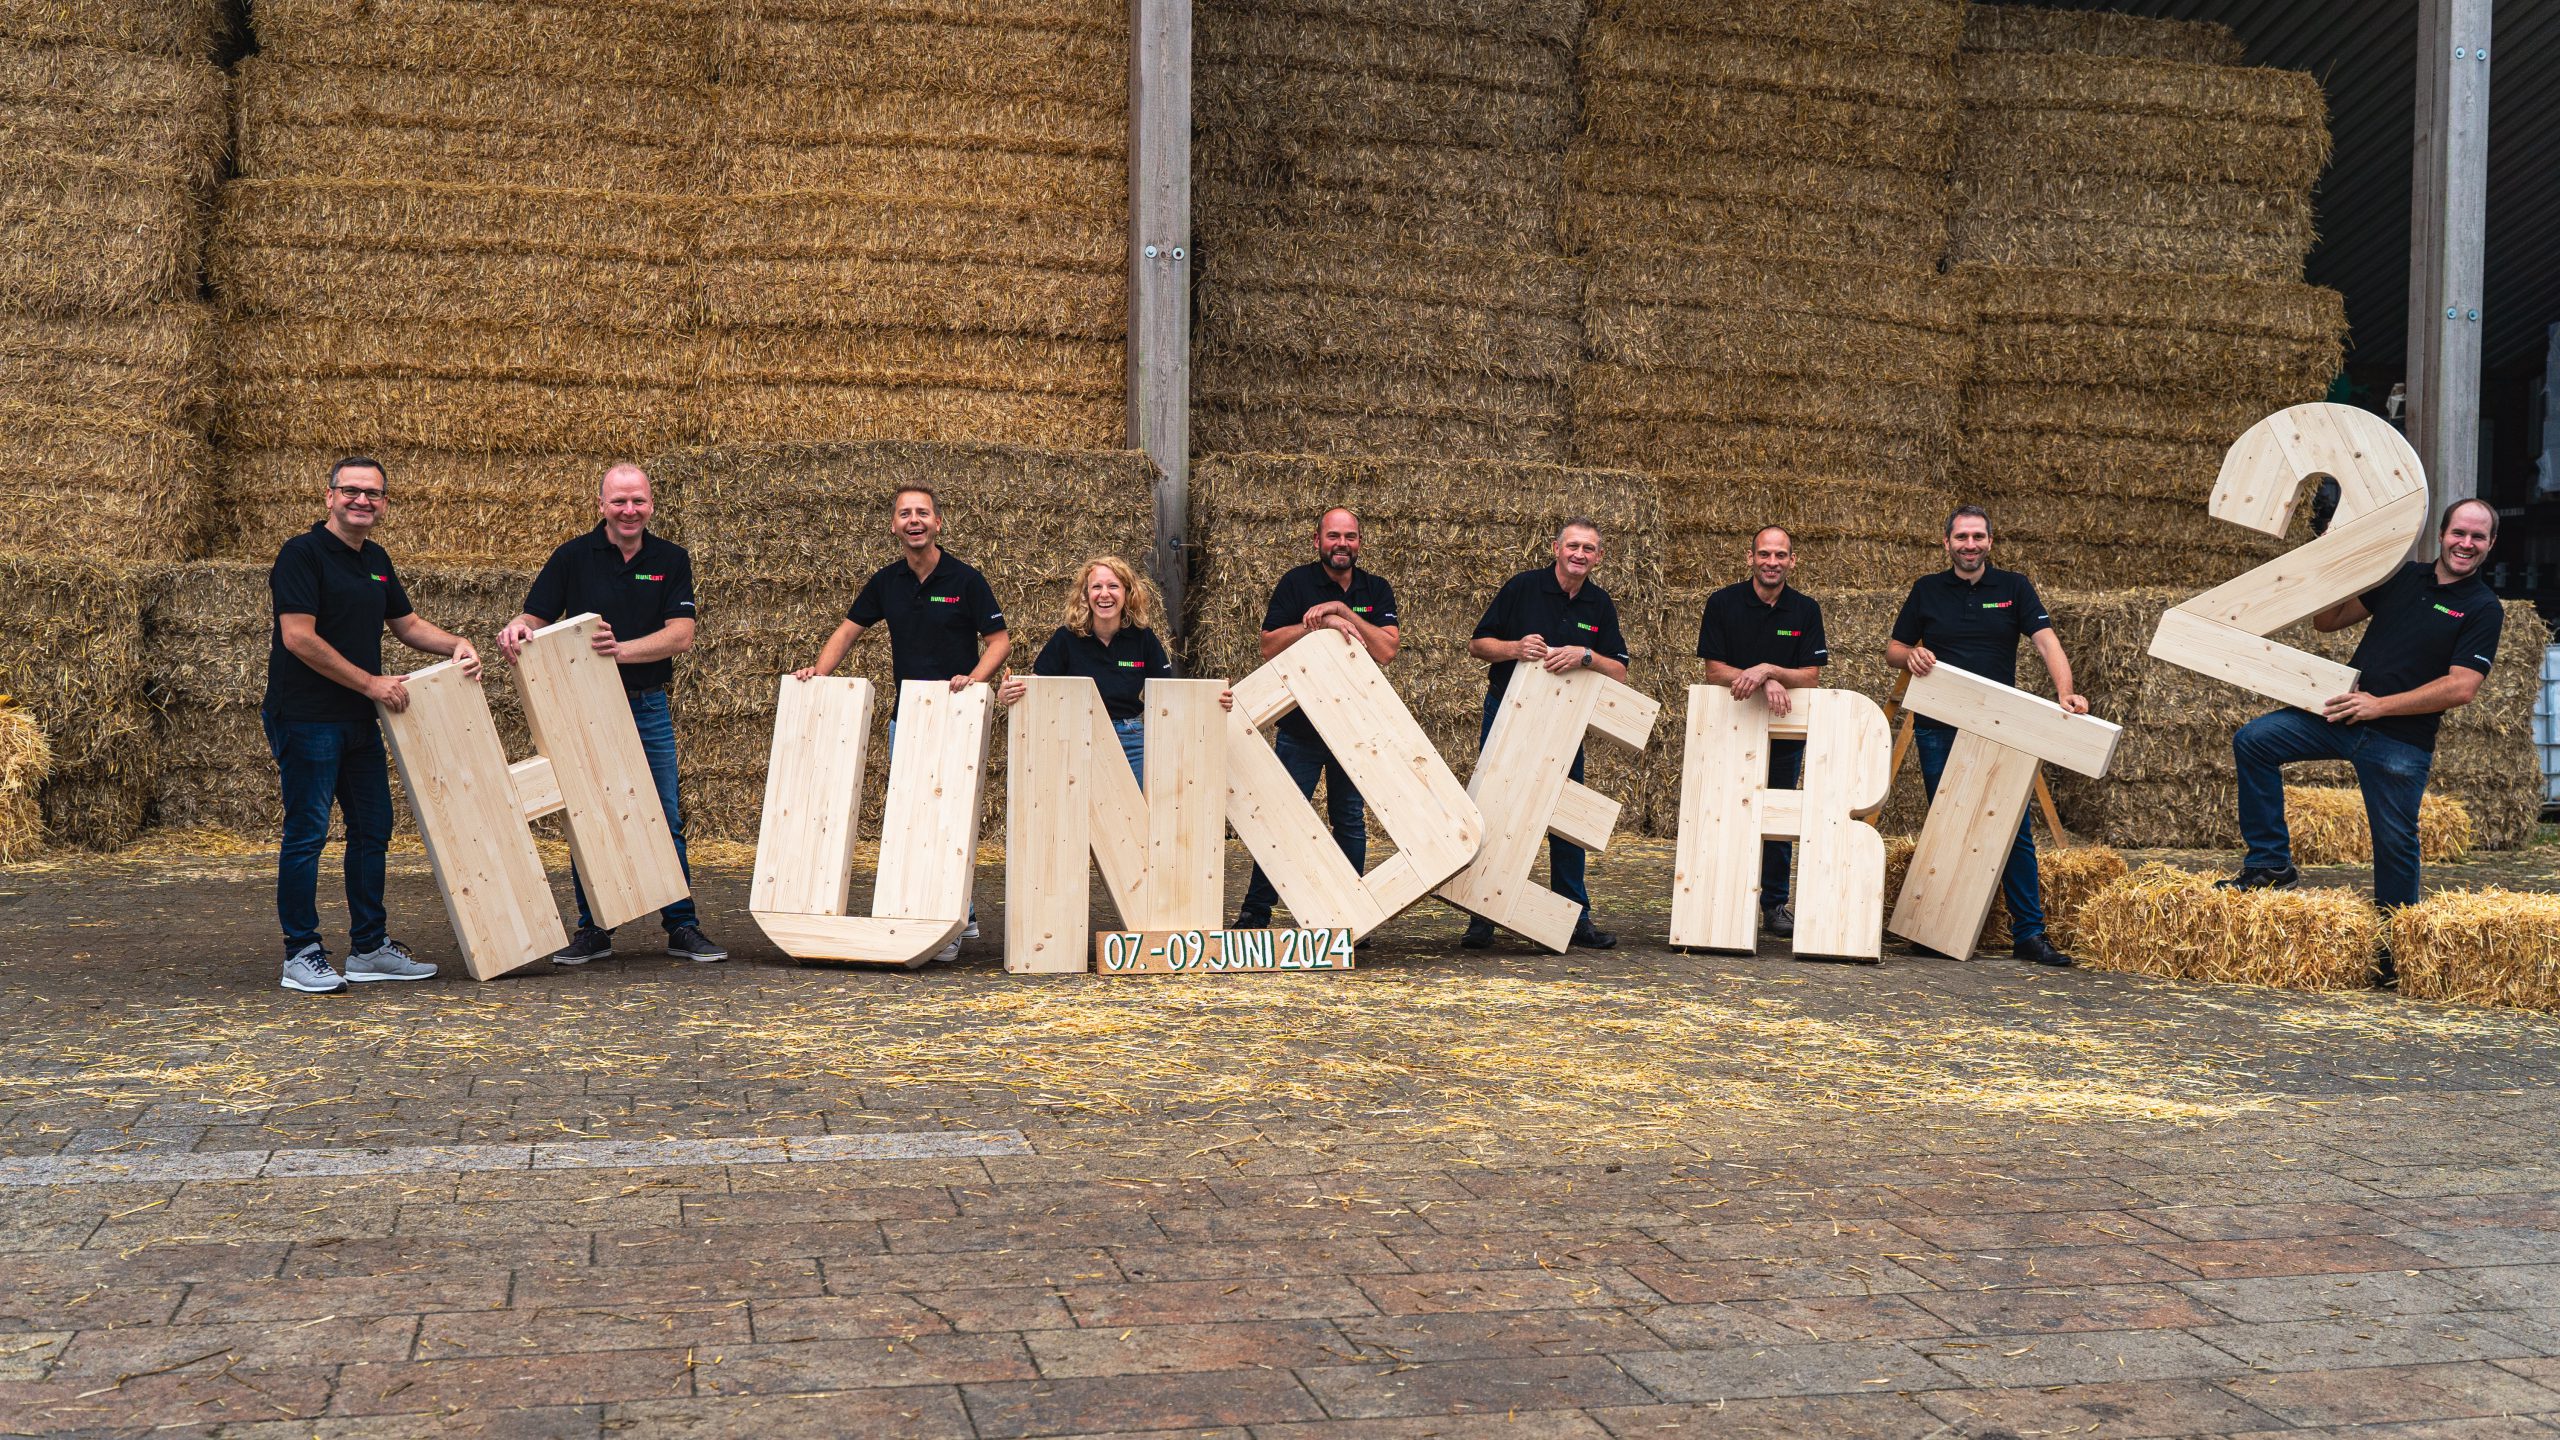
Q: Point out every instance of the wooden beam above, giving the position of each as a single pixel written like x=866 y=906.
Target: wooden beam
x=470 y=814
x=581 y=721
x=2448 y=203
x=1160 y=274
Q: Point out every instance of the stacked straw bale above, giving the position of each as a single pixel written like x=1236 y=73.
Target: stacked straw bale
x=2098 y=32
x=26 y=758
x=1806 y=131
x=2101 y=403
x=71 y=654
x=2122 y=162
x=2172 y=924
x=2329 y=826
x=1446 y=534
x=1375 y=197
x=205 y=644
x=2066 y=880
x=2172 y=781
x=179 y=29
x=105 y=361
x=785 y=536
x=2480 y=947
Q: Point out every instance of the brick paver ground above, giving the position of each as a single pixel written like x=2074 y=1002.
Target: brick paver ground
x=1626 y=1194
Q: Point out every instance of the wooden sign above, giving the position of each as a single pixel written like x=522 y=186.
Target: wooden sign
x=1408 y=787
x=813 y=796
x=1522 y=788
x=1069 y=792
x=474 y=810
x=2382 y=510
x=1727 y=812
x=1221 y=952
x=1982 y=796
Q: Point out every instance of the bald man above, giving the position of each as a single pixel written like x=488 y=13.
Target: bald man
x=642 y=587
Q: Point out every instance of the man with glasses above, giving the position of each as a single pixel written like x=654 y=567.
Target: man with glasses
x=641 y=586
x=334 y=593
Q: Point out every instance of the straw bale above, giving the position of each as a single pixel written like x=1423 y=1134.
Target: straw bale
x=2195 y=417
x=1553 y=22
x=2122 y=86
x=156 y=365
x=2284 y=309
x=1333 y=190
x=1436 y=311
x=2006 y=462
x=1772 y=226
x=2172 y=924
x=1272 y=100
x=1761 y=285
x=814 y=414
x=2178 y=149
x=2023 y=235
x=919 y=112
x=837 y=226
x=2099 y=32
x=182 y=28
x=775 y=575
x=525 y=289
x=94 y=236
x=1849 y=533
x=2480 y=947
x=1899 y=27
x=645 y=42
x=1607 y=391
x=2329 y=827
x=1364 y=45
x=1093 y=369
x=470 y=508
x=427 y=218
x=352 y=123
x=1095 y=15
x=1254 y=404
x=1279 y=260
x=2066 y=880
x=1012 y=299
x=102 y=483
x=1093 y=185
x=82 y=103
x=894 y=52
x=1446 y=533
x=2131 y=355
x=1785 y=64
x=26 y=758
x=1774 y=125
x=1641 y=440
x=71 y=654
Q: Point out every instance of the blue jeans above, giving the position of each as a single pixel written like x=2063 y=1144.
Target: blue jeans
x=1133 y=743
x=2018 y=879
x=1567 y=863
x=2391 y=773
x=321 y=762
x=1307 y=764
x=657 y=724
x=1786 y=772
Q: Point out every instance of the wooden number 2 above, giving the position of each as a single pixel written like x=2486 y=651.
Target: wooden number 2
x=2382 y=508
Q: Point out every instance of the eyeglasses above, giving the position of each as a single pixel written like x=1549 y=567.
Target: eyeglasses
x=365 y=493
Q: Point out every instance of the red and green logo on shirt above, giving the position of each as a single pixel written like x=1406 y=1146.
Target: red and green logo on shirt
x=1997 y=604
x=2456 y=614
x=638 y=575
x=1578 y=625
x=385 y=579
x=1791 y=634
x=942 y=599
x=1130 y=664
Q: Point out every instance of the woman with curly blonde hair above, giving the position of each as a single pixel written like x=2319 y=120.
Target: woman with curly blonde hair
x=1109 y=638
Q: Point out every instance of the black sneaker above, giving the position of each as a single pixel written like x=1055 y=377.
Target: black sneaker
x=687 y=942
x=2386 y=971
x=1587 y=936
x=2038 y=949
x=1779 y=920
x=1479 y=935
x=588 y=944
x=1251 y=920
x=2257 y=877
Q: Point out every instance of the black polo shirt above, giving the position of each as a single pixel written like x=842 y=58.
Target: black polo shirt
x=1736 y=627
x=1534 y=603
x=1120 y=670
x=2421 y=630
x=348 y=592
x=934 y=624
x=637 y=597
x=1972 y=625
x=1303 y=589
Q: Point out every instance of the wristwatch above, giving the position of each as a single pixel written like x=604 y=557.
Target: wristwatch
x=1586 y=657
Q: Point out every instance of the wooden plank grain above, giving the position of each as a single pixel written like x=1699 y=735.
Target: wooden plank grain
x=581 y=721
x=462 y=791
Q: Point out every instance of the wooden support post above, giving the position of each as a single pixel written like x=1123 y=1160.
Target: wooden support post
x=2448 y=204
x=1160 y=275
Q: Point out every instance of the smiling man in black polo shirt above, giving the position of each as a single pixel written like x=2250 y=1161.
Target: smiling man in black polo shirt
x=1763 y=637
x=944 y=623
x=641 y=586
x=2433 y=636
x=1557 y=618
x=1330 y=592
x=334 y=593
x=1971 y=615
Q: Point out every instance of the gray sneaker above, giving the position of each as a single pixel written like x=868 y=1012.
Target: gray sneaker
x=390 y=960
x=307 y=970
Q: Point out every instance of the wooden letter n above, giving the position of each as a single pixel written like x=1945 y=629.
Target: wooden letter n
x=2002 y=733
x=1407 y=785
x=1068 y=792
x=1521 y=783
x=1727 y=811
x=475 y=810
x=813 y=810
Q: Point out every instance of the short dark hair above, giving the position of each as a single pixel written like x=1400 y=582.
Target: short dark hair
x=1781 y=529
x=2446 y=525
x=1579 y=522
x=924 y=490
x=1976 y=511
x=358 y=462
